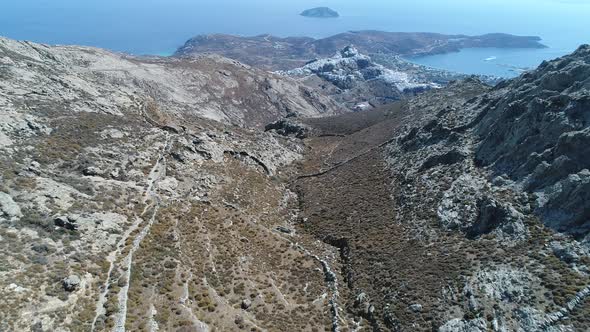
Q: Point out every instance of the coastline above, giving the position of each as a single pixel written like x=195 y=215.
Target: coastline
x=506 y=62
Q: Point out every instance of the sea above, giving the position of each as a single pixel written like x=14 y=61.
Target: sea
x=158 y=27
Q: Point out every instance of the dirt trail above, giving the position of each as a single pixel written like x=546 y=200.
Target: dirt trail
x=157 y=173
x=152 y=201
x=111 y=258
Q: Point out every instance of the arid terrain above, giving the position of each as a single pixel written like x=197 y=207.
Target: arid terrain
x=201 y=194
x=360 y=70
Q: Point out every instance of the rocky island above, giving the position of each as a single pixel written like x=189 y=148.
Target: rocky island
x=320 y=12
x=277 y=53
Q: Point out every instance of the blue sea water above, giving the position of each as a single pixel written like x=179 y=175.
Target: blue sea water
x=160 y=26
x=491 y=61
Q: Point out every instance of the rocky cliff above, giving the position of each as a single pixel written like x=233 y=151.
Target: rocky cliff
x=535 y=133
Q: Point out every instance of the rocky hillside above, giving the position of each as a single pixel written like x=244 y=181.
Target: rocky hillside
x=463 y=209
x=143 y=195
x=353 y=79
x=137 y=194
x=536 y=135
x=89 y=80
x=275 y=53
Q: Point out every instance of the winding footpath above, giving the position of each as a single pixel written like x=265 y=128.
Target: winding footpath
x=152 y=202
x=151 y=194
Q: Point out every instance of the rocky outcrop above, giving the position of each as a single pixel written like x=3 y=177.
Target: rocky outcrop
x=68 y=222
x=469 y=206
x=425 y=156
x=569 y=252
x=287 y=127
x=9 y=208
x=71 y=283
x=356 y=80
x=531 y=132
x=496 y=216
x=537 y=132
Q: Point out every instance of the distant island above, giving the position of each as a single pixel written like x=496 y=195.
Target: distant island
x=277 y=53
x=320 y=12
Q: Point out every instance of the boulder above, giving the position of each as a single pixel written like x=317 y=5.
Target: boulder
x=284 y=229
x=9 y=209
x=416 y=307
x=363 y=304
x=246 y=304
x=71 y=283
x=66 y=222
x=287 y=127
x=93 y=171
x=494 y=216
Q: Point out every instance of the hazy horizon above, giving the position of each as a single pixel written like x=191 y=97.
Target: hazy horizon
x=159 y=27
